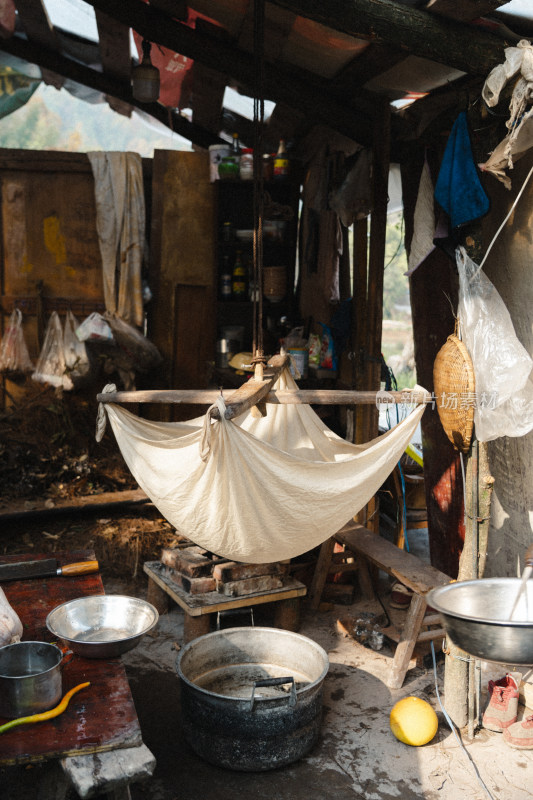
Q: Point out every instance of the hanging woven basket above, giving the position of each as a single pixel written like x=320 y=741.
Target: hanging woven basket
x=454 y=387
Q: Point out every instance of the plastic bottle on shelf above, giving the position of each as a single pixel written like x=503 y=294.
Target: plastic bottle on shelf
x=236 y=148
x=225 y=280
x=246 y=165
x=238 y=278
x=281 y=165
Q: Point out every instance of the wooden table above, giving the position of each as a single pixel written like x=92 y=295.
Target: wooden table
x=100 y=719
x=198 y=607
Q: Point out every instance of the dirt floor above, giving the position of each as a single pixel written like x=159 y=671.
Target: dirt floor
x=356 y=757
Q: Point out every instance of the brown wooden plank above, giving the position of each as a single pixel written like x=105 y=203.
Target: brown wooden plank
x=197 y=605
x=404 y=566
x=15 y=511
x=114 y=42
x=36 y=23
x=99 y=718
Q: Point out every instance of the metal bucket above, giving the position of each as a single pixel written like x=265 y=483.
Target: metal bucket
x=30 y=678
x=252 y=697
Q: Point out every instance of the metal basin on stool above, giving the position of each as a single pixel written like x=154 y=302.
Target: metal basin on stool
x=475 y=615
x=252 y=697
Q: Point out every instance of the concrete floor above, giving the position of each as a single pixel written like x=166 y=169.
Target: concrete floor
x=356 y=756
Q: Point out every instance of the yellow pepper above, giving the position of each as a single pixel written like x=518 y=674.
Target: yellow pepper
x=53 y=712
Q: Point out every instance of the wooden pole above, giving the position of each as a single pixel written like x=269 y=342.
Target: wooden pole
x=373 y=315
x=299 y=397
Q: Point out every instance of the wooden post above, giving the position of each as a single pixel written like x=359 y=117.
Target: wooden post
x=458 y=683
x=373 y=313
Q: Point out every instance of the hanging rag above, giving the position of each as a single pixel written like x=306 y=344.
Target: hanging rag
x=518 y=62
x=120 y=222
x=422 y=243
x=458 y=189
x=256 y=489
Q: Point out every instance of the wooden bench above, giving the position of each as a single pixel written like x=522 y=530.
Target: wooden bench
x=412 y=572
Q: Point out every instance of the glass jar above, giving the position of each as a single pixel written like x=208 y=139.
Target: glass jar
x=228 y=168
x=246 y=165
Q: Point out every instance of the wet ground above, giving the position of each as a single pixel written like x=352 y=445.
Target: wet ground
x=356 y=757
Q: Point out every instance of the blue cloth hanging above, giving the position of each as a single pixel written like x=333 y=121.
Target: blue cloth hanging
x=458 y=189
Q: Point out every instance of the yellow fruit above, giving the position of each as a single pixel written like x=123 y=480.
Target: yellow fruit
x=413 y=721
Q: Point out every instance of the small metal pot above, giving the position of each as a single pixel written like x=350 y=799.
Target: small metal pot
x=30 y=678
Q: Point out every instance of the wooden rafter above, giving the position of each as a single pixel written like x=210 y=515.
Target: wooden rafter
x=439 y=39
x=114 y=40
x=38 y=28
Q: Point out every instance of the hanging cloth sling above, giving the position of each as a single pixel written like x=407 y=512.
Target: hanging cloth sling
x=254 y=489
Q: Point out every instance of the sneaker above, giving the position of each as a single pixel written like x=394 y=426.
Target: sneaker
x=502 y=708
x=400 y=596
x=520 y=734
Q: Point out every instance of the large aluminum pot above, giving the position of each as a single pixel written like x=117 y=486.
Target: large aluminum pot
x=251 y=697
x=30 y=678
x=476 y=613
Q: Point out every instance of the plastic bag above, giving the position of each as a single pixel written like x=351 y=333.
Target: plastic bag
x=502 y=366
x=94 y=329
x=76 y=358
x=51 y=366
x=14 y=356
x=328 y=358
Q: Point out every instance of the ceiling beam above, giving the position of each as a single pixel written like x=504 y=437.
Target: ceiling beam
x=466 y=48
x=121 y=90
x=280 y=84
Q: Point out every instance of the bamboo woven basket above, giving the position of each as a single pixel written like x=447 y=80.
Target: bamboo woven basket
x=454 y=387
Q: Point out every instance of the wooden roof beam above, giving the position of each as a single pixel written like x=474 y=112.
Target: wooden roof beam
x=466 y=48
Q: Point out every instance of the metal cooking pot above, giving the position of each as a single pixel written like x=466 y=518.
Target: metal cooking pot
x=251 y=697
x=30 y=678
x=475 y=615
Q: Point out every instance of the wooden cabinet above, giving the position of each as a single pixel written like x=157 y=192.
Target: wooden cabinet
x=234 y=217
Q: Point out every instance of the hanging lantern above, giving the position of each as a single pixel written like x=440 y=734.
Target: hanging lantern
x=145 y=77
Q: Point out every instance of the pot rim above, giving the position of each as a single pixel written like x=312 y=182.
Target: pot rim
x=280 y=631
x=34 y=674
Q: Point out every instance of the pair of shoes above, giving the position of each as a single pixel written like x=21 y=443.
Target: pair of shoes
x=502 y=709
x=400 y=596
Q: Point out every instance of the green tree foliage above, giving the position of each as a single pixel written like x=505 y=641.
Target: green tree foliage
x=396 y=302
x=55 y=120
